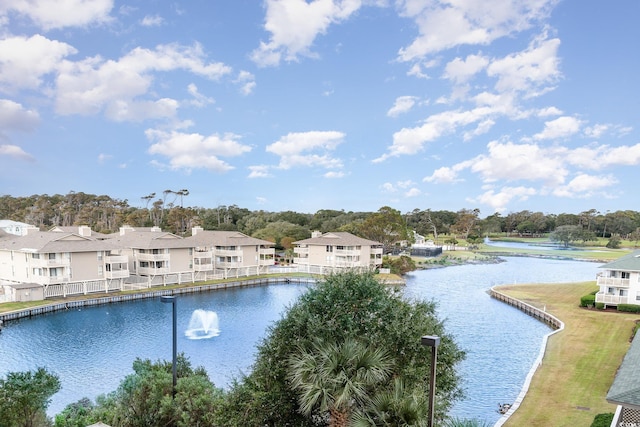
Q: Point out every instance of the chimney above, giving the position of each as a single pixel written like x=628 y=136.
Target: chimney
x=84 y=230
x=125 y=229
x=195 y=230
x=156 y=229
x=315 y=234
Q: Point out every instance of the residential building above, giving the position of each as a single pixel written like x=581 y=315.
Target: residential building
x=15 y=227
x=63 y=263
x=336 y=250
x=154 y=253
x=230 y=253
x=625 y=389
x=619 y=283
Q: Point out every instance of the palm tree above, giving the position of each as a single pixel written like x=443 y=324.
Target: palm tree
x=336 y=378
x=397 y=407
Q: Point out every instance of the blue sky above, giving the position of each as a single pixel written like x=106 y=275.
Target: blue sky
x=504 y=106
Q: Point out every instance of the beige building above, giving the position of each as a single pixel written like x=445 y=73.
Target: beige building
x=230 y=253
x=327 y=252
x=62 y=262
x=619 y=283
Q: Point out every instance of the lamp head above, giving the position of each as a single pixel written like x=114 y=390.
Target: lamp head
x=430 y=340
x=168 y=299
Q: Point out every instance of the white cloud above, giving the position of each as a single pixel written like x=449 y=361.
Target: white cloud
x=584 y=185
x=530 y=71
x=292 y=149
x=499 y=201
x=14 y=151
x=447 y=24
x=259 y=171
x=334 y=174
x=24 y=61
x=102 y=157
x=402 y=104
x=513 y=162
x=247 y=82
x=413 y=192
x=14 y=116
x=596 y=131
x=50 y=15
x=195 y=151
x=561 y=127
x=152 y=21
x=295 y=24
x=93 y=85
x=199 y=100
x=411 y=140
x=460 y=70
x=596 y=157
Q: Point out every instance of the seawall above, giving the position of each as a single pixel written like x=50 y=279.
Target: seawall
x=61 y=305
x=543 y=316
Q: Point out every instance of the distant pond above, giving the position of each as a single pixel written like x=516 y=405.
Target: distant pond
x=93 y=349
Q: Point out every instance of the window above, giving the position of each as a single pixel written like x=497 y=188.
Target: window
x=626 y=275
x=329 y=248
x=35 y=256
x=100 y=255
x=52 y=256
x=100 y=272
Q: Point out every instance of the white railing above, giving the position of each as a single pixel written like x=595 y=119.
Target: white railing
x=152 y=257
x=613 y=281
x=116 y=259
x=203 y=267
x=116 y=274
x=153 y=270
x=610 y=299
x=228 y=252
x=46 y=262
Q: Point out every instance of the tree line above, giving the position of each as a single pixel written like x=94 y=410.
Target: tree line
x=387 y=225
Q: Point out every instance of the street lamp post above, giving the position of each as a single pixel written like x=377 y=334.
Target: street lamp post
x=433 y=342
x=172 y=300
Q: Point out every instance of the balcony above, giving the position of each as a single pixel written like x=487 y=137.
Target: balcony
x=347 y=252
x=205 y=266
x=153 y=257
x=611 y=299
x=229 y=264
x=613 y=281
x=228 y=252
x=266 y=252
x=150 y=271
x=202 y=254
x=299 y=250
x=116 y=274
x=46 y=262
x=116 y=259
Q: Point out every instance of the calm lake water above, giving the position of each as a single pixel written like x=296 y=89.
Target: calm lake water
x=93 y=349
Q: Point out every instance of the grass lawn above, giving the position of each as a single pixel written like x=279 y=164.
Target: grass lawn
x=570 y=386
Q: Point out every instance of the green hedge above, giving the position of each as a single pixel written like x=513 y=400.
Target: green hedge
x=602 y=420
x=600 y=305
x=629 y=308
x=587 y=300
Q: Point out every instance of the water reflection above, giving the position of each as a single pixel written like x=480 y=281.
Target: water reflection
x=93 y=349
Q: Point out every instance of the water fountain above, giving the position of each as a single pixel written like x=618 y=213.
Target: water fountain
x=203 y=324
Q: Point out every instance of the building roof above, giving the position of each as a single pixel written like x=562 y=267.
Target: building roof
x=149 y=240
x=205 y=238
x=630 y=262
x=625 y=389
x=77 y=230
x=337 y=238
x=54 y=242
x=25 y=285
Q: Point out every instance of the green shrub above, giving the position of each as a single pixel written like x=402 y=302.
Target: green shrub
x=587 y=300
x=600 y=305
x=602 y=420
x=629 y=308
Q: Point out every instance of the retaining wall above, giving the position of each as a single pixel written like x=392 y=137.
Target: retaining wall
x=543 y=316
x=66 y=305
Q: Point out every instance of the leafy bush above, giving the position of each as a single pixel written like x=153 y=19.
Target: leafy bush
x=602 y=420
x=629 y=308
x=588 y=300
x=614 y=242
x=600 y=305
